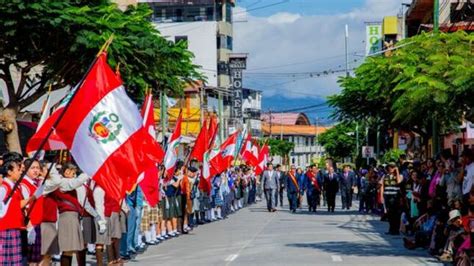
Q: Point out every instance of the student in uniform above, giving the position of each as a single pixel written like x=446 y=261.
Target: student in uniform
x=172 y=208
x=89 y=215
x=70 y=236
x=101 y=226
x=31 y=181
x=11 y=214
x=49 y=231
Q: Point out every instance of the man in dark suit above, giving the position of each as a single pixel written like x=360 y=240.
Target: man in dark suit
x=347 y=182
x=331 y=186
x=293 y=189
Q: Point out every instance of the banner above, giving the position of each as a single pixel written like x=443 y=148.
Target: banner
x=373 y=41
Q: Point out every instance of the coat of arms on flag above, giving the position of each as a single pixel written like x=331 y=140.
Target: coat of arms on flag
x=105 y=127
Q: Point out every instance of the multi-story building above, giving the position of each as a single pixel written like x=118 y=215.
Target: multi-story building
x=453 y=15
x=252 y=109
x=206 y=26
x=295 y=128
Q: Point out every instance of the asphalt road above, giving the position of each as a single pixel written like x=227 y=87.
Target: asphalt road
x=253 y=236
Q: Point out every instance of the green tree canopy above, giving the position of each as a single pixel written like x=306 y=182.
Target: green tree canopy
x=339 y=141
x=429 y=77
x=280 y=147
x=53 y=42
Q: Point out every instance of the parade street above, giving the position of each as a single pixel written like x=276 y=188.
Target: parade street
x=254 y=236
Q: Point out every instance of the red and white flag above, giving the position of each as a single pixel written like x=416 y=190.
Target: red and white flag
x=172 y=150
x=227 y=151
x=44 y=125
x=201 y=144
x=262 y=160
x=247 y=152
x=148 y=180
x=104 y=131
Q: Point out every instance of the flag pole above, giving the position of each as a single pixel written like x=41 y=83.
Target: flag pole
x=60 y=117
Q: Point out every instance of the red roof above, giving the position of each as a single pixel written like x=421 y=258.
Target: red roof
x=286 y=118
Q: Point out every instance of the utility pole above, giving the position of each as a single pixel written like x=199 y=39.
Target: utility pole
x=347 y=50
x=270 y=123
x=367 y=140
x=435 y=125
x=163 y=111
x=220 y=106
x=346 y=39
x=316 y=142
x=201 y=96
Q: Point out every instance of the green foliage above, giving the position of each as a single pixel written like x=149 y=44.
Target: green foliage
x=280 y=147
x=392 y=155
x=339 y=141
x=429 y=77
x=64 y=36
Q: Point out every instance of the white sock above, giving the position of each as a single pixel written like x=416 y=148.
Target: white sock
x=219 y=213
x=147 y=236
x=153 y=232
x=213 y=214
x=140 y=239
x=91 y=247
x=163 y=233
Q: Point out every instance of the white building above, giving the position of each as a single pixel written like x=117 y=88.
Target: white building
x=295 y=128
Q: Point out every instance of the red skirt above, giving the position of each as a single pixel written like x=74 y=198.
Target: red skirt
x=10 y=247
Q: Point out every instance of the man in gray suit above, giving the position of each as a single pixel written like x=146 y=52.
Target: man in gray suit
x=270 y=185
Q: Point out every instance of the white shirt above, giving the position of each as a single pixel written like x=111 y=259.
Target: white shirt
x=468 y=179
x=3 y=195
x=84 y=201
x=56 y=181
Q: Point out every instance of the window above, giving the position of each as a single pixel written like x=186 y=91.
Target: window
x=228 y=12
x=229 y=42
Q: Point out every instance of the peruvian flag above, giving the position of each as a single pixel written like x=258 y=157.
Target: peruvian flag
x=211 y=152
x=172 y=150
x=104 y=131
x=45 y=124
x=201 y=144
x=148 y=181
x=262 y=160
x=223 y=160
x=247 y=152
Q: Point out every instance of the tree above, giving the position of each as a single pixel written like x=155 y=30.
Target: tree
x=281 y=148
x=339 y=141
x=53 y=42
x=430 y=77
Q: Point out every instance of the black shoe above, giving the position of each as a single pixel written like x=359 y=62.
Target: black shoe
x=126 y=258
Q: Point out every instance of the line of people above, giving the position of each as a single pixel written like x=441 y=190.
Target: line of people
x=318 y=185
x=57 y=213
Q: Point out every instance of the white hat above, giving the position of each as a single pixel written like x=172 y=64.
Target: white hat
x=453 y=215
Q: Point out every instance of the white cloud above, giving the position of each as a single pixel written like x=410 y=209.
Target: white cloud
x=283 y=18
x=289 y=43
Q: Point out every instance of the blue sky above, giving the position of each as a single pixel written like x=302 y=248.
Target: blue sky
x=264 y=8
x=289 y=43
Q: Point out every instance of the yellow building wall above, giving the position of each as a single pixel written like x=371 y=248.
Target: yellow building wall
x=191 y=124
x=390 y=25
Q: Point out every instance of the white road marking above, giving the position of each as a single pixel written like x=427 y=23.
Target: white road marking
x=336 y=258
x=231 y=257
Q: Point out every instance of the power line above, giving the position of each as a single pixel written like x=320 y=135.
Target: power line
x=262 y=7
x=304 y=62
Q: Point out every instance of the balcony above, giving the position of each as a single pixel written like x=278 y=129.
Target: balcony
x=252 y=113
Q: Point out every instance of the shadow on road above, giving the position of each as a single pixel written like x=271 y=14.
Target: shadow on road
x=347 y=248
